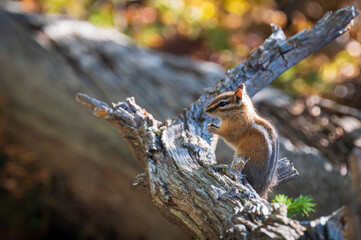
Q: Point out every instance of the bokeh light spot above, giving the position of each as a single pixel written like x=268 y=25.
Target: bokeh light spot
x=237 y=6
x=314 y=10
x=354 y=48
x=208 y=10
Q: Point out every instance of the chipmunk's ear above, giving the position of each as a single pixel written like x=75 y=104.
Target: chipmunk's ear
x=242 y=87
x=239 y=93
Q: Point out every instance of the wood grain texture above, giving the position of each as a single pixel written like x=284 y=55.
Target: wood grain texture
x=44 y=61
x=189 y=189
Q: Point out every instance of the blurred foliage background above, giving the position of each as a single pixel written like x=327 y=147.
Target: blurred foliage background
x=225 y=32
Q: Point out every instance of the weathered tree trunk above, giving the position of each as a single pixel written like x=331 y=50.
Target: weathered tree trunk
x=178 y=156
x=44 y=62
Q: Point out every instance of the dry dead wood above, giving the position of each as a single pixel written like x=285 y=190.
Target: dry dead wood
x=188 y=187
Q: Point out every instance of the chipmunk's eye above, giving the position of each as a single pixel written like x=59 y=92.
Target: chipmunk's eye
x=222 y=103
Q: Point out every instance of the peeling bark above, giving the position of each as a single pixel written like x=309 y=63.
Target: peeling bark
x=189 y=188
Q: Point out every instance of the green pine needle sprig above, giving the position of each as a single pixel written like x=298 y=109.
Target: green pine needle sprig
x=300 y=206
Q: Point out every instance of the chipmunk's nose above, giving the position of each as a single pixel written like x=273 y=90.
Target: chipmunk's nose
x=210 y=109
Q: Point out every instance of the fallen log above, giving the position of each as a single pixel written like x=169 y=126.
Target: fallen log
x=178 y=155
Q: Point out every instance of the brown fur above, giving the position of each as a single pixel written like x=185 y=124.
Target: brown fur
x=250 y=135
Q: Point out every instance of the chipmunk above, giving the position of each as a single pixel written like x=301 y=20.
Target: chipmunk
x=250 y=135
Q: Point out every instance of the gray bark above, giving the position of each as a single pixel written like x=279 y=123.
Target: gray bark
x=43 y=63
x=178 y=156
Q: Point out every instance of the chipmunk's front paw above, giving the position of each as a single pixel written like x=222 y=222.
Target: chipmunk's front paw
x=212 y=128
